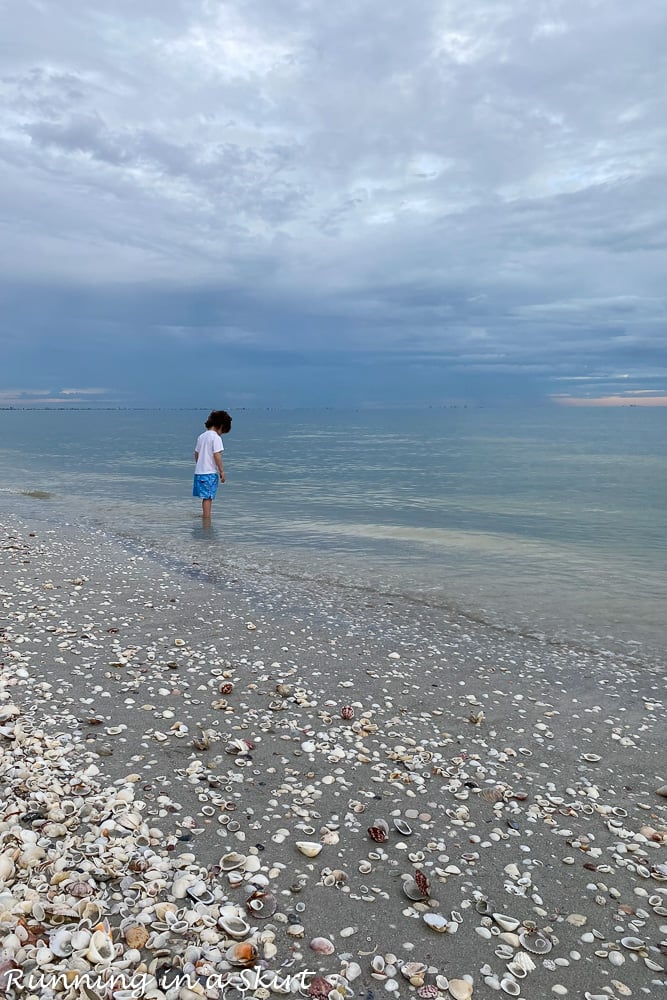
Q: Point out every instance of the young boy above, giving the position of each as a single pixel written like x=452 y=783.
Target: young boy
x=208 y=458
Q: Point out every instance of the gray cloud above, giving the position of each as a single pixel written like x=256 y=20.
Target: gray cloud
x=482 y=184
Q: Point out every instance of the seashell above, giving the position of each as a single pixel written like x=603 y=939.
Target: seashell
x=535 y=943
x=428 y=992
x=412 y=890
x=507 y=923
x=242 y=953
x=381 y=824
x=347 y=712
x=80 y=939
x=180 y=887
x=524 y=962
x=411 y=970
x=378 y=964
x=228 y=862
x=308 y=847
x=460 y=989
x=7 y=867
x=377 y=834
x=633 y=943
x=262 y=905
x=403 y=828
x=61 y=943
x=234 y=926
x=136 y=935
x=100 y=949
x=510 y=986
x=436 y=922
x=322 y=945
x=352 y=971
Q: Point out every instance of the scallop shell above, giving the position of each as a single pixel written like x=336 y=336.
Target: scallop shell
x=322 y=945
x=308 y=847
x=536 y=943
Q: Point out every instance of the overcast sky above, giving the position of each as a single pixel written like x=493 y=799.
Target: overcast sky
x=288 y=202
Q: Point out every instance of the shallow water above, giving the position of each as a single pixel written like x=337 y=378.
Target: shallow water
x=552 y=520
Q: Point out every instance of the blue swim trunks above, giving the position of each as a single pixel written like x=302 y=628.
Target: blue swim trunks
x=206 y=486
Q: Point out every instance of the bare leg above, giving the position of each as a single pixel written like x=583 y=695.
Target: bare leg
x=206 y=509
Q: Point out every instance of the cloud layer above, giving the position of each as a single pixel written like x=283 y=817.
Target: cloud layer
x=303 y=202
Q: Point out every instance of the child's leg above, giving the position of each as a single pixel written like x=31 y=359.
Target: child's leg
x=206 y=508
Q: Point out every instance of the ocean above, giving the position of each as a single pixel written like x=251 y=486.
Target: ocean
x=552 y=520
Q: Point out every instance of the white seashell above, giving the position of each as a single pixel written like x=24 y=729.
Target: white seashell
x=632 y=943
x=460 y=989
x=510 y=986
x=100 y=950
x=61 y=943
x=234 y=926
x=352 y=972
x=507 y=923
x=180 y=886
x=43 y=956
x=523 y=961
x=228 y=862
x=7 y=867
x=616 y=958
x=309 y=848
x=436 y=922
x=80 y=940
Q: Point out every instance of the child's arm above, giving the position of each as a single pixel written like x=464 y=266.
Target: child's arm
x=196 y=456
x=218 y=461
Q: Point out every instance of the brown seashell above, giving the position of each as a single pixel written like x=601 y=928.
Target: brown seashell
x=376 y=834
x=80 y=889
x=323 y=946
x=319 y=988
x=242 y=953
x=347 y=712
x=422 y=883
x=136 y=936
x=226 y=688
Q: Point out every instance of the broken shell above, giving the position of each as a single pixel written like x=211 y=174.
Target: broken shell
x=308 y=847
x=262 y=905
x=228 y=862
x=411 y=970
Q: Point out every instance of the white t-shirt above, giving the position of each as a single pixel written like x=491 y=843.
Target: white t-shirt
x=207 y=445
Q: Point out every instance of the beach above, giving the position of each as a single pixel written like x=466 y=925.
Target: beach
x=191 y=766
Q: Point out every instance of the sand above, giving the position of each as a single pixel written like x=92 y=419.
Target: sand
x=125 y=655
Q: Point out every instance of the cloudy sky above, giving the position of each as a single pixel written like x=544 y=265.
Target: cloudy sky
x=289 y=202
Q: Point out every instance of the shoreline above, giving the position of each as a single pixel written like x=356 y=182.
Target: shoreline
x=442 y=712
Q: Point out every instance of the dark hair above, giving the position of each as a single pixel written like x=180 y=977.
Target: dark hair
x=219 y=419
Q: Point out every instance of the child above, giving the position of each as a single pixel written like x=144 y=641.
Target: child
x=208 y=458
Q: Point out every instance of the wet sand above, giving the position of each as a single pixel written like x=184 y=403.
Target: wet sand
x=246 y=715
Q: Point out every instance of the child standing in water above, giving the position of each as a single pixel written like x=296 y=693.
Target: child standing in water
x=209 y=469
